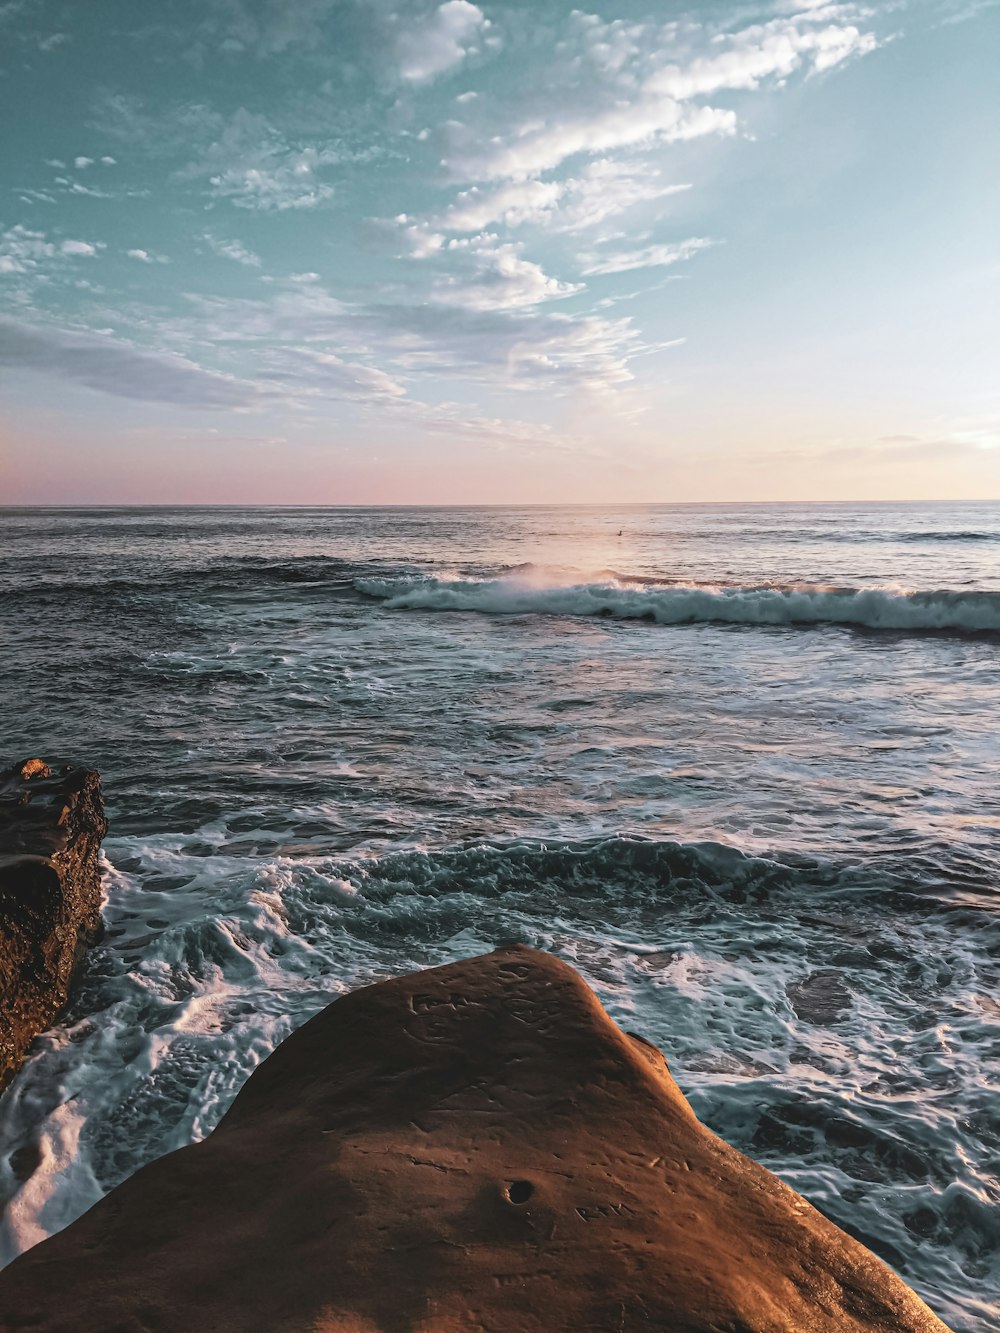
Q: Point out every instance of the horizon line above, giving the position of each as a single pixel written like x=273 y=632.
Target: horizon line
x=473 y=504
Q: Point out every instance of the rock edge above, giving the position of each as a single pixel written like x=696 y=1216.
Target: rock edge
x=51 y=827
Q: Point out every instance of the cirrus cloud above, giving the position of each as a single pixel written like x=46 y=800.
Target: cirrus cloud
x=112 y=366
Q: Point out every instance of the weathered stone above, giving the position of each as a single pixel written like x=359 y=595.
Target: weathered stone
x=476 y=1147
x=51 y=826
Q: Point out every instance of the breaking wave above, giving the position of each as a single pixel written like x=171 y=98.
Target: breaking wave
x=680 y=604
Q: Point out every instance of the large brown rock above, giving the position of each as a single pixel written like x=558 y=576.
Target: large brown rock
x=476 y=1147
x=51 y=826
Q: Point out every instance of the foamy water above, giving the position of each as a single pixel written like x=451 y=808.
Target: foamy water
x=541 y=592
x=738 y=765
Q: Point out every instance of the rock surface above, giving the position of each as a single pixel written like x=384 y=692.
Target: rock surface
x=51 y=826
x=476 y=1147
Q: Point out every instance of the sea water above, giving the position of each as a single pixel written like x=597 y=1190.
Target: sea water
x=740 y=765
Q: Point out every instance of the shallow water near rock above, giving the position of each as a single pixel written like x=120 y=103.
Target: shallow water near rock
x=739 y=765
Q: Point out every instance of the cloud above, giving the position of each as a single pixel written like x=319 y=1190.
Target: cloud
x=255 y=167
x=513 y=205
x=12 y=10
x=420 y=241
x=603 y=189
x=234 y=250
x=761 y=52
x=272 y=188
x=540 y=146
x=242 y=158
x=22 y=250
x=90 y=191
x=968 y=10
x=80 y=248
x=145 y=257
x=332 y=376
x=429 y=46
x=522 y=349
x=652 y=256
x=621 y=85
x=81 y=163
x=263 y=28
x=504 y=432
x=114 y=367
x=500 y=280
x=303 y=313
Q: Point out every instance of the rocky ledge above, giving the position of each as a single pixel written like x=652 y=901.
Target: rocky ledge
x=476 y=1147
x=51 y=826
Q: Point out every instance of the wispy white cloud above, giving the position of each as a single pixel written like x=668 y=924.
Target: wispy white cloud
x=966 y=10
x=242 y=157
x=622 y=86
x=651 y=256
x=115 y=367
x=498 y=278
x=602 y=189
x=146 y=257
x=277 y=187
x=253 y=166
x=513 y=204
x=331 y=375
x=234 y=250
x=526 y=347
x=542 y=145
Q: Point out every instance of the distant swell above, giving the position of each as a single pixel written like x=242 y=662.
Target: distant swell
x=680 y=604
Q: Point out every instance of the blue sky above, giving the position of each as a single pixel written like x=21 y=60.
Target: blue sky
x=323 y=251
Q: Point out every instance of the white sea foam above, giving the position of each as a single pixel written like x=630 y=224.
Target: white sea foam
x=48 y=1200
x=679 y=604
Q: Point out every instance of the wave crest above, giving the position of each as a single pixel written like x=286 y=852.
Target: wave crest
x=680 y=604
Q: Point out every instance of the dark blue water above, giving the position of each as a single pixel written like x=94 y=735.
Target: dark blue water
x=738 y=764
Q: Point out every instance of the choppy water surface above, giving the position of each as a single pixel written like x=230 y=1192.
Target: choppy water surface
x=739 y=764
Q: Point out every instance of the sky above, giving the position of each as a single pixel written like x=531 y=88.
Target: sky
x=396 y=251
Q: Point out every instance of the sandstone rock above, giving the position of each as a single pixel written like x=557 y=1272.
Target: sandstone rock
x=51 y=826
x=476 y=1147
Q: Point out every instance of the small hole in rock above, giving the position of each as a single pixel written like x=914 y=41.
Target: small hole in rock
x=520 y=1191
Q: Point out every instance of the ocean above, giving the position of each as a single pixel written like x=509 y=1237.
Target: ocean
x=739 y=764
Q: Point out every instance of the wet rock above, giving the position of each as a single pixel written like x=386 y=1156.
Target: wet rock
x=476 y=1146
x=51 y=826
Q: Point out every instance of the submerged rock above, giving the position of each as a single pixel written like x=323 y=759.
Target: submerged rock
x=473 y=1147
x=51 y=826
